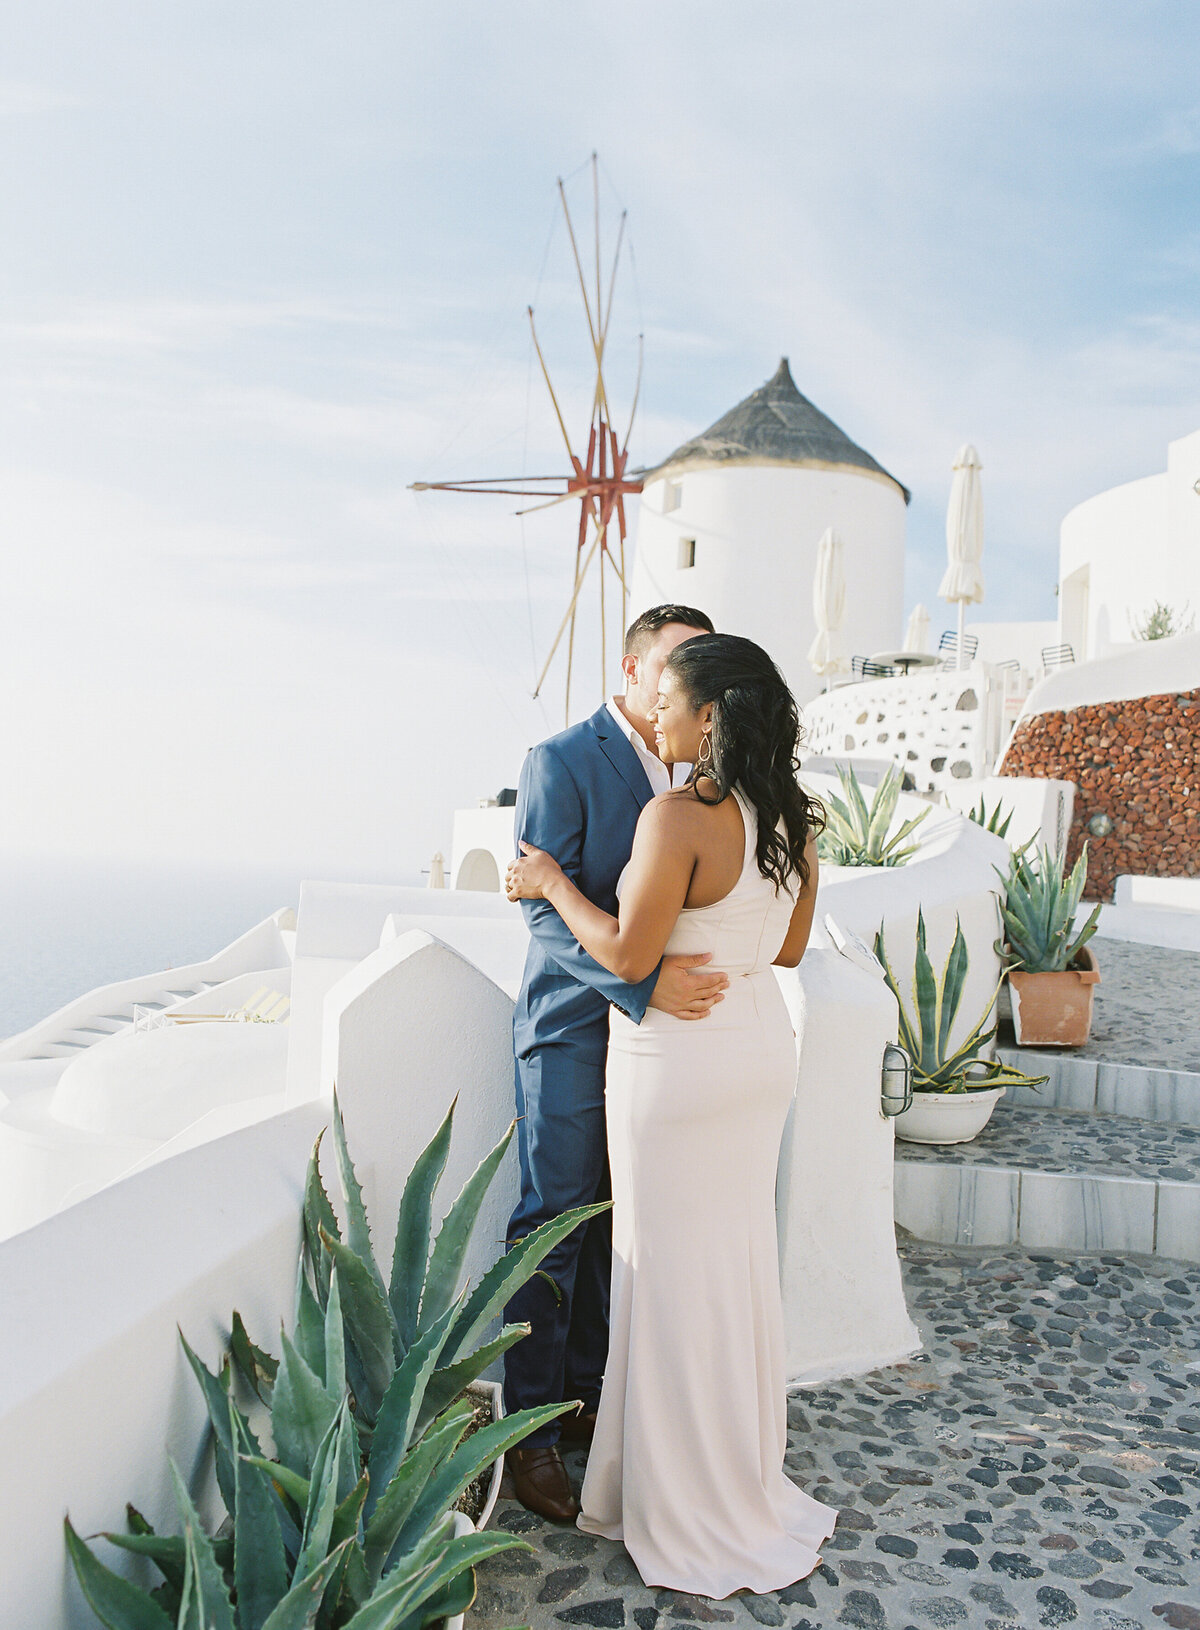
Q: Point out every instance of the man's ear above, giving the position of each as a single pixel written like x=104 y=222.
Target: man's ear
x=629 y=667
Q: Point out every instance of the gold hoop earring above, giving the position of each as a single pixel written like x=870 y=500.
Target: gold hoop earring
x=703 y=757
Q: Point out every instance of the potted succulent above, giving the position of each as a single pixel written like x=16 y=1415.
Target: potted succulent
x=343 y=1474
x=1052 y=974
x=856 y=834
x=955 y=1088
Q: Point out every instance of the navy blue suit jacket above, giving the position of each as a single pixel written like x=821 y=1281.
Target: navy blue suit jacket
x=579 y=798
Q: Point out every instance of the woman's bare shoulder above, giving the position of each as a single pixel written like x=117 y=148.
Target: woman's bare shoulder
x=674 y=811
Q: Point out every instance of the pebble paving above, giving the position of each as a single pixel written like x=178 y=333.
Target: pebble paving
x=1145 y=991
x=1055 y=1140
x=1037 y=1465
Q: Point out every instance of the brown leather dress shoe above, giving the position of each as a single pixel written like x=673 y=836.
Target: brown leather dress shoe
x=577 y=1431
x=540 y=1482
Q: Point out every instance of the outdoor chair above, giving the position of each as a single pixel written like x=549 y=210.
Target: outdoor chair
x=1057 y=656
x=948 y=644
x=866 y=669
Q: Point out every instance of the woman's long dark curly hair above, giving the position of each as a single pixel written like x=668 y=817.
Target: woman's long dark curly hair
x=755 y=736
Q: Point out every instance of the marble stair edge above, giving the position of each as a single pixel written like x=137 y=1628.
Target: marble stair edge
x=1090 y=1084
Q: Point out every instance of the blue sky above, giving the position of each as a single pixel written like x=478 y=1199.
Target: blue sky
x=264 y=266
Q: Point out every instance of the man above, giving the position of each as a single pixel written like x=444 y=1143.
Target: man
x=579 y=798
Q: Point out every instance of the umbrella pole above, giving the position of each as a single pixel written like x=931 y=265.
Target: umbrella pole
x=962 y=617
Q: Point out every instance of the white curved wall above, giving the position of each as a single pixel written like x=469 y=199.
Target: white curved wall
x=95 y=1391
x=1124 y=549
x=756 y=530
x=844 y=1308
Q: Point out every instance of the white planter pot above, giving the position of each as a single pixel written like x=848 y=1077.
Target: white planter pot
x=947 y=1117
x=494 y=1393
x=462 y=1525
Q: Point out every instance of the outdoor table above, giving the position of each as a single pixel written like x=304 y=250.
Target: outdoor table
x=904 y=660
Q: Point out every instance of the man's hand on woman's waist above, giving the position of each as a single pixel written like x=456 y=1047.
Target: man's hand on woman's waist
x=686 y=989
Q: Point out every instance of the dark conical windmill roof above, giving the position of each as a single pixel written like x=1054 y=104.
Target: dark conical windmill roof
x=776 y=425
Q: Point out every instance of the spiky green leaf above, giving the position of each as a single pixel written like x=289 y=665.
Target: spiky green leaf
x=405 y=1488
x=318 y=1214
x=257 y=1367
x=358 y=1229
x=308 y=1327
x=115 y=1602
x=497 y=1286
x=298 y=1609
x=216 y=1397
x=414 y=1228
x=454 y=1236
x=302 y=1411
x=467 y=1461
x=449 y=1382
x=368 y=1318
x=402 y=1593
x=206 y=1603
x=259 y=1556
x=398 y=1413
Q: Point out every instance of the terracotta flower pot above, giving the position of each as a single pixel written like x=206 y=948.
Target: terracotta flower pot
x=1054 y=1009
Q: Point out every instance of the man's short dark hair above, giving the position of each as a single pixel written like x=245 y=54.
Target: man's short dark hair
x=643 y=629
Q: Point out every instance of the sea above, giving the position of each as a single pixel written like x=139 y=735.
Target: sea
x=66 y=927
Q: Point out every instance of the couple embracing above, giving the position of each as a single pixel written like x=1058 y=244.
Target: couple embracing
x=667 y=858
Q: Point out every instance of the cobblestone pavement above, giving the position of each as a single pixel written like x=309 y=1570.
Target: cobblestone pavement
x=1052 y=1140
x=1038 y=1465
x=1142 y=1007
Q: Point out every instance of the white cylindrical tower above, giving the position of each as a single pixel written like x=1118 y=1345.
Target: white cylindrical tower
x=730 y=523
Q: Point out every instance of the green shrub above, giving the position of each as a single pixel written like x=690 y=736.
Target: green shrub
x=856 y=835
x=925 y=1032
x=349 y=1525
x=991 y=822
x=1039 y=909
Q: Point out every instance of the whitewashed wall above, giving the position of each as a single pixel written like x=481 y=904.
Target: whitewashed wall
x=94 y=1387
x=1124 y=549
x=756 y=529
x=482 y=847
x=413 y=1028
x=843 y=1300
x=936 y=724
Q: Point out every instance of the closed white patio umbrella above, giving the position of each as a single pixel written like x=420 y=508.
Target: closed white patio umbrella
x=962 y=583
x=829 y=607
x=916 y=635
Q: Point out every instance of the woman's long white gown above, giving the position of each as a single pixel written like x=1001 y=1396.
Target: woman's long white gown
x=686 y=1467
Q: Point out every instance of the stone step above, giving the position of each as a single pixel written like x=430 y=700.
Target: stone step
x=1081 y=1082
x=1057 y=1179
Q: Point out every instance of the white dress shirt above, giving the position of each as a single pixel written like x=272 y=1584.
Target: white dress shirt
x=661 y=777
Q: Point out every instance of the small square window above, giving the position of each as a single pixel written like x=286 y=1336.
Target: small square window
x=687 y=553
x=672 y=496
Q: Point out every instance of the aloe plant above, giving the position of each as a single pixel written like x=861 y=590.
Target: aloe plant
x=857 y=835
x=1039 y=910
x=349 y=1524
x=925 y=1032
x=991 y=822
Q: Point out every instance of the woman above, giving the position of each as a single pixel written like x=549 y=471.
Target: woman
x=686 y=1465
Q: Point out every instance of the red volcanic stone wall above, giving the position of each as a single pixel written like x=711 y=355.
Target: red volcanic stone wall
x=1136 y=761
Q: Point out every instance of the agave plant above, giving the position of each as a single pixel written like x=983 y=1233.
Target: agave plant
x=1039 y=909
x=991 y=822
x=856 y=835
x=349 y=1525
x=386 y=1317
x=925 y=1033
